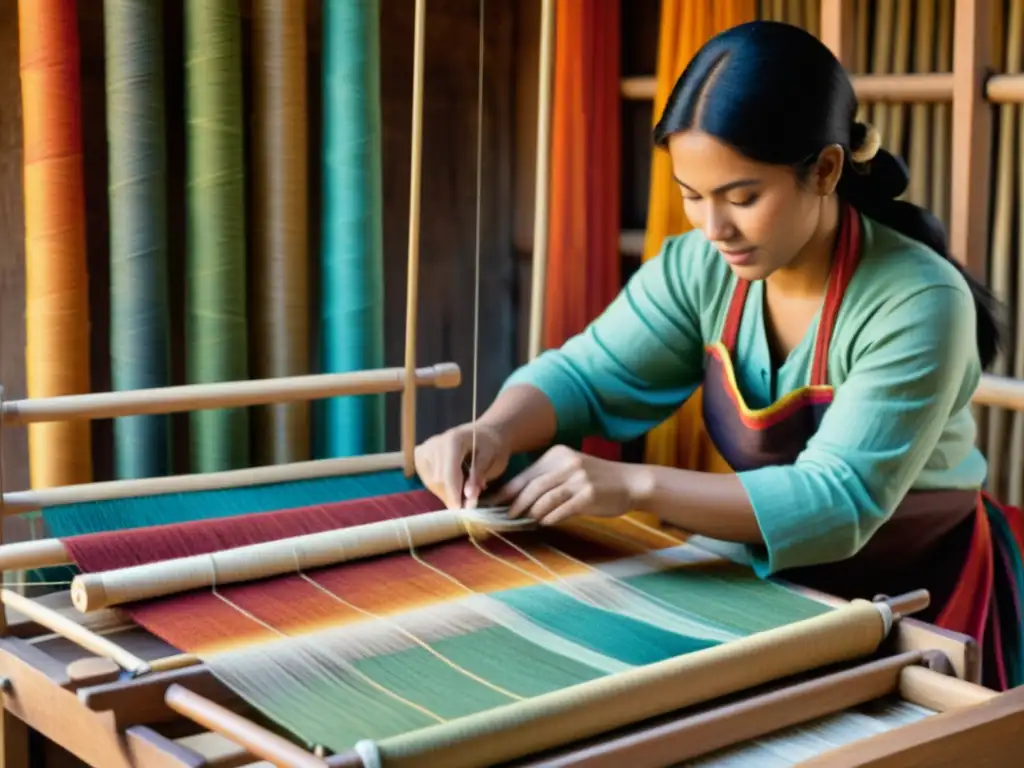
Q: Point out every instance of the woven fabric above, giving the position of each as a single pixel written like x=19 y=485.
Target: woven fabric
x=385 y=646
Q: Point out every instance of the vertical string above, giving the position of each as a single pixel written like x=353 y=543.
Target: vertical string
x=479 y=194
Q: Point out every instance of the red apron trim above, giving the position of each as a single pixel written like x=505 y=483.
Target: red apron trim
x=967 y=609
x=847 y=257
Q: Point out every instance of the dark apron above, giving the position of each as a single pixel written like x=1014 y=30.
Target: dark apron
x=944 y=541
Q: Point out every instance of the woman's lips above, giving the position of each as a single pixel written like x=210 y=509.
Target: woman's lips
x=738 y=257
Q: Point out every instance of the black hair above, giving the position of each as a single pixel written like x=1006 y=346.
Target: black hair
x=778 y=95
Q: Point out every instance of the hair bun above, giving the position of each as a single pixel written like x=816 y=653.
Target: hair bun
x=865 y=141
x=885 y=178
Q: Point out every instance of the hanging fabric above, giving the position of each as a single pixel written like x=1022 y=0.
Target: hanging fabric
x=584 y=271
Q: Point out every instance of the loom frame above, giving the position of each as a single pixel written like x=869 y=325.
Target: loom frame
x=82 y=704
x=84 y=707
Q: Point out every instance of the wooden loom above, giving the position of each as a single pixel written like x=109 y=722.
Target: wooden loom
x=120 y=698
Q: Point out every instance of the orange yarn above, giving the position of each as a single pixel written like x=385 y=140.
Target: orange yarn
x=686 y=25
x=57 y=300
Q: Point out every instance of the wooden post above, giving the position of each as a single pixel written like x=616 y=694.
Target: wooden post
x=3 y=608
x=972 y=136
x=539 y=266
x=413 y=277
x=837 y=29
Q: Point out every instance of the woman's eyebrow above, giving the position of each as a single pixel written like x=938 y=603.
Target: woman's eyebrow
x=724 y=187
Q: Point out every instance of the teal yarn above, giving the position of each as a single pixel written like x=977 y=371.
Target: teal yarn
x=217 y=322
x=170 y=508
x=139 y=302
x=352 y=276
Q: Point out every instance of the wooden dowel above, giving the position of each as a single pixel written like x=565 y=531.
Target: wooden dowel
x=103 y=589
x=909 y=603
x=259 y=741
x=177 y=661
x=25 y=501
x=942 y=693
x=909 y=88
x=408 y=432
x=29 y=555
x=724 y=726
x=1005 y=89
x=917 y=88
x=73 y=631
x=1001 y=391
x=105 y=405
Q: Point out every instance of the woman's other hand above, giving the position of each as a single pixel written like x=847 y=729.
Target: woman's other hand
x=564 y=482
x=445 y=463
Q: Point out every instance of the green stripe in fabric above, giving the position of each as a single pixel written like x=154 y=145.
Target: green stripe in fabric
x=622 y=638
x=352 y=252
x=730 y=599
x=139 y=302
x=217 y=328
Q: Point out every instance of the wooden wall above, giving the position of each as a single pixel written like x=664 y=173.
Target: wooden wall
x=448 y=200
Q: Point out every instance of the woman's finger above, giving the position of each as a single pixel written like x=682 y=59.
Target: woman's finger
x=575 y=505
x=481 y=469
x=550 y=502
x=453 y=453
x=534 y=489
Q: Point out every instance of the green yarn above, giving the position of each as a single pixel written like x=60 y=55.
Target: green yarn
x=139 y=302
x=217 y=328
x=352 y=249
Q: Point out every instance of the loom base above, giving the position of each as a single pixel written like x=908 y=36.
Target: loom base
x=82 y=707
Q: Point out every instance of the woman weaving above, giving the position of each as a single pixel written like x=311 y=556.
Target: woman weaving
x=837 y=342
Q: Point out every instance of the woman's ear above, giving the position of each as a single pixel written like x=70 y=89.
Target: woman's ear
x=828 y=170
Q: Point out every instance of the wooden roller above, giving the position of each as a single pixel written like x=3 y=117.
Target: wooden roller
x=93 y=591
x=599 y=706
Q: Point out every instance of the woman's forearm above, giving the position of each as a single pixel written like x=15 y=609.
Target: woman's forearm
x=524 y=417
x=707 y=504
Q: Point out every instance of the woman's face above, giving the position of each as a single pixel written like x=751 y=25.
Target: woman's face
x=760 y=217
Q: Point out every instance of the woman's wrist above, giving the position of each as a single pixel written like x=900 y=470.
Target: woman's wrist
x=640 y=485
x=522 y=418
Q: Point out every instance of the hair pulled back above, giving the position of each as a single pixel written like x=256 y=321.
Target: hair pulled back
x=778 y=95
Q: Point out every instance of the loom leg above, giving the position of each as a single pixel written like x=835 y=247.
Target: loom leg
x=13 y=742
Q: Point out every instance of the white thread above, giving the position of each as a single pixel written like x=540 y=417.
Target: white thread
x=369 y=754
x=885 y=611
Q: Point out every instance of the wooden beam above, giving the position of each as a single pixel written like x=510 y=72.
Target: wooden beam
x=972 y=135
x=908 y=88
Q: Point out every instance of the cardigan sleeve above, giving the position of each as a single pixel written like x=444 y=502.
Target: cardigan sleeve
x=639 y=361
x=918 y=367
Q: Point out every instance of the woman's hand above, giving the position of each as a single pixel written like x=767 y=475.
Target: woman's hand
x=564 y=482
x=441 y=463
